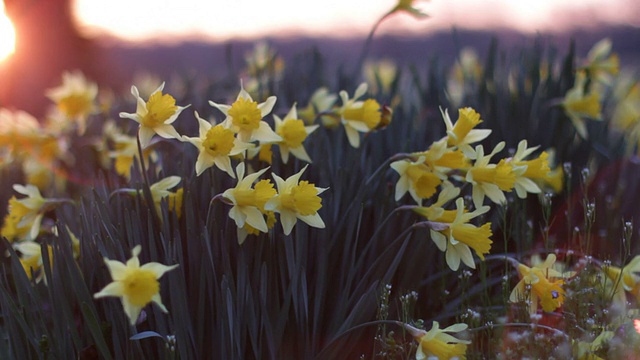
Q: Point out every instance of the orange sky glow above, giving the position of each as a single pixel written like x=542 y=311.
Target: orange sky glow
x=221 y=20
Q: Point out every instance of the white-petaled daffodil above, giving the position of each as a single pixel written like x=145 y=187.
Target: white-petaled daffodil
x=216 y=144
x=296 y=200
x=136 y=285
x=293 y=132
x=155 y=116
x=244 y=117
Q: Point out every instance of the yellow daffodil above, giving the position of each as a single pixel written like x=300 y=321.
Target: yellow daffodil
x=358 y=116
x=383 y=72
x=75 y=98
x=460 y=236
x=136 y=285
x=126 y=152
x=296 y=200
x=408 y=6
x=527 y=170
x=25 y=215
x=160 y=190
x=626 y=116
x=435 y=212
x=244 y=117
x=266 y=191
x=601 y=64
x=578 y=105
x=583 y=350
x=416 y=178
x=31 y=259
x=155 y=116
x=490 y=180
x=248 y=201
x=321 y=102
x=630 y=281
x=216 y=144
x=438 y=344
x=293 y=133
x=442 y=159
x=462 y=134
x=544 y=286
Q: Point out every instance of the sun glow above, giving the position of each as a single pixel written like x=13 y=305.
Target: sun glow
x=7 y=36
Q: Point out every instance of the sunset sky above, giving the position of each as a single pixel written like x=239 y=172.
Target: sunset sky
x=164 y=20
x=247 y=18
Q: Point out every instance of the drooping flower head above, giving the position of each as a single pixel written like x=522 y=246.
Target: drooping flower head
x=460 y=237
x=293 y=132
x=545 y=284
x=216 y=144
x=580 y=106
x=136 y=285
x=244 y=117
x=438 y=344
x=296 y=200
x=358 y=116
x=155 y=116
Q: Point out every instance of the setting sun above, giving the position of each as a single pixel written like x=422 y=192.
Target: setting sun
x=7 y=37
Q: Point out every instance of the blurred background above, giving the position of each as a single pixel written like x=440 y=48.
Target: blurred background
x=112 y=41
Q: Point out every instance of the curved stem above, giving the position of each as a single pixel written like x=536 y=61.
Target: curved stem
x=357 y=327
x=367 y=44
x=213 y=199
x=366 y=184
x=521 y=325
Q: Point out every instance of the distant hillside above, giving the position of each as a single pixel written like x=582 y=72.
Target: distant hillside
x=216 y=59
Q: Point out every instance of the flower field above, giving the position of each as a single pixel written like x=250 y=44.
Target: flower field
x=480 y=209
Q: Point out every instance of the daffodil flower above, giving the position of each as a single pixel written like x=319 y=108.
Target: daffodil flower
x=435 y=212
x=296 y=200
x=293 y=133
x=155 y=116
x=442 y=159
x=216 y=144
x=248 y=201
x=321 y=102
x=266 y=191
x=25 y=215
x=244 y=117
x=583 y=350
x=126 y=151
x=31 y=259
x=601 y=64
x=457 y=239
x=358 y=116
x=136 y=285
x=630 y=281
x=75 y=98
x=578 y=105
x=437 y=343
x=489 y=180
x=416 y=178
x=463 y=134
x=160 y=190
x=544 y=285
x=526 y=170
